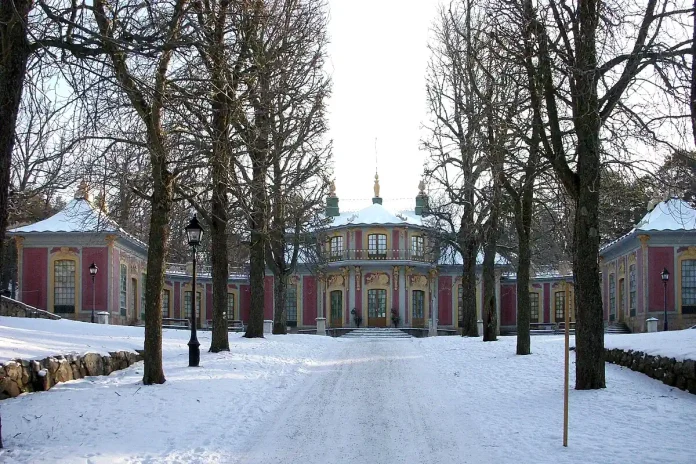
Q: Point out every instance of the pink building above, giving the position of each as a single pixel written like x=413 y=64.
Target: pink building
x=631 y=266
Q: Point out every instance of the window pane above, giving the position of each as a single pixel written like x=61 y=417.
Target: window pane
x=417 y=246
x=291 y=305
x=632 y=289
x=123 y=295
x=688 y=281
x=533 y=307
x=64 y=286
x=165 y=303
x=336 y=247
x=418 y=299
x=336 y=304
x=612 y=297
x=560 y=306
x=377 y=245
x=460 y=304
x=187 y=304
x=377 y=303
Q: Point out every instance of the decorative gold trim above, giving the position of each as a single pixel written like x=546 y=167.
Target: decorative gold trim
x=358 y=277
x=395 y=277
x=644 y=238
x=689 y=253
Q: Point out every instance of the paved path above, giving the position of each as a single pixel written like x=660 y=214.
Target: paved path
x=369 y=404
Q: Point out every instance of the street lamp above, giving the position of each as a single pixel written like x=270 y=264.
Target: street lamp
x=93 y=272
x=194 y=232
x=665 y=278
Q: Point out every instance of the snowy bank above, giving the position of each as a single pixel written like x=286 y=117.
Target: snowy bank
x=677 y=344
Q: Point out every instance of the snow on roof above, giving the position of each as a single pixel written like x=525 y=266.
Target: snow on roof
x=376 y=214
x=671 y=214
x=79 y=215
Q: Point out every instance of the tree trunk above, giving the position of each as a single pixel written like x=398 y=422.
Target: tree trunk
x=693 y=82
x=523 y=301
x=257 y=254
x=469 y=250
x=490 y=316
x=220 y=203
x=279 y=315
x=589 y=332
x=153 y=372
x=220 y=274
x=15 y=54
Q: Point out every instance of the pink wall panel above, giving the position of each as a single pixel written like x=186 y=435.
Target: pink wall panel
x=177 y=300
x=115 y=272
x=444 y=300
x=658 y=259
x=309 y=300
x=98 y=256
x=639 y=282
x=245 y=303
x=547 y=302
x=508 y=304
x=34 y=278
x=268 y=297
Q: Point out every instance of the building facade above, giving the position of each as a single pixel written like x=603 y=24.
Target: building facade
x=632 y=266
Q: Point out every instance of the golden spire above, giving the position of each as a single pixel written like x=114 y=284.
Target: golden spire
x=332 y=188
x=421 y=187
x=376 y=185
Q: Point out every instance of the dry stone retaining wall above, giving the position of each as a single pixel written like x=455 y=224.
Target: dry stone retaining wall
x=14 y=308
x=680 y=374
x=21 y=375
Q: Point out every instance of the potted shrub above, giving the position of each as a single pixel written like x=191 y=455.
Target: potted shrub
x=395 y=317
x=356 y=317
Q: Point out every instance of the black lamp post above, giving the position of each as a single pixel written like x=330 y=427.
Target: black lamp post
x=93 y=272
x=194 y=232
x=665 y=278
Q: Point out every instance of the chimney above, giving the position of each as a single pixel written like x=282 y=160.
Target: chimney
x=421 y=200
x=332 y=201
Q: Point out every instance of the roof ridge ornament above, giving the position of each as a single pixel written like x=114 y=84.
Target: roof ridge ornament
x=82 y=192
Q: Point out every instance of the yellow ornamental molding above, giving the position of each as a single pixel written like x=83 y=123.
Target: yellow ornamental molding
x=632 y=258
x=377 y=278
x=335 y=280
x=644 y=238
x=396 y=277
x=110 y=239
x=418 y=281
x=358 y=277
x=293 y=280
x=622 y=268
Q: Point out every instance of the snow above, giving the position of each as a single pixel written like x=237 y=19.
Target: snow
x=678 y=344
x=671 y=214
x=78 y=216
x=376 y=214
x=312 y=399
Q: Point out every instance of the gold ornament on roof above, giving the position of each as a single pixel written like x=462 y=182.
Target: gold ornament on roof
x=82 y=192
x=332 y=188
x=376 y=185
x=421 y=187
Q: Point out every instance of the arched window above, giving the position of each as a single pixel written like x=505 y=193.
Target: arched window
x=64 y=286
x=230 y=306
x=291 y=306
x=534 y=306
x=377 y=246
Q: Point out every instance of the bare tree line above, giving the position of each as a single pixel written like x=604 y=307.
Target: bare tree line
x=216 y=106
x=531 y=103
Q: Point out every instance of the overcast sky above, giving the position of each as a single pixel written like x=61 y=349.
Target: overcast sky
x=377 y=60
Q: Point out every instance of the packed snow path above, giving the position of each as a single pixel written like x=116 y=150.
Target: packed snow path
x=305 y=399
x=374 y=402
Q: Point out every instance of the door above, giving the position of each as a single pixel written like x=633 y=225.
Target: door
x=377 y=308
x=418 y=308
x=622 y=305
x=336 y=319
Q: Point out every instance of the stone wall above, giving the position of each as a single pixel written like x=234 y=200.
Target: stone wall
x=21 y=375
x=680 y=374
x=14 y=308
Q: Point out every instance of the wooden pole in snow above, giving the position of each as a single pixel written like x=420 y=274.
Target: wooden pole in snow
x=567 y=362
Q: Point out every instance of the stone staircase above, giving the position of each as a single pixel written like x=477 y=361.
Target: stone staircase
x=617 y=328
x=376 y=333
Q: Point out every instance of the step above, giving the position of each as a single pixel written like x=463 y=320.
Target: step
x=377 y=333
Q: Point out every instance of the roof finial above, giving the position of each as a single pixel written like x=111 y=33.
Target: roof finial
x=421 y=187
x=82 y=192
x=332 y=189
x=376 y=185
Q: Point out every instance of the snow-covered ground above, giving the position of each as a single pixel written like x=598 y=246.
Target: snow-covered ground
x=678 y=344
x=303 y=398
